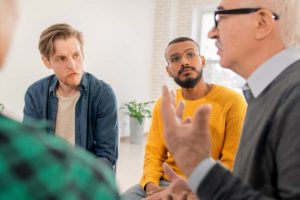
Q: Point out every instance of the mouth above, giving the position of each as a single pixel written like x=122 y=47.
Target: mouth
x=73 y=74
x=186 y=71
x=218 y=45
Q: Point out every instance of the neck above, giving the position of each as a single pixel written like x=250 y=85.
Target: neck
x=257 y=57
x=197 y=92
x=66 y=90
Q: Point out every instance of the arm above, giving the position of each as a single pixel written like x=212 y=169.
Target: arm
x=283 y=140
x=193 y=139
x=30 y=110
x=233 y=128
x=106 y=137
x=155 y=150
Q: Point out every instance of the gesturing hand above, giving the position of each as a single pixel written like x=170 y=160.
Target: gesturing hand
x=189 y=142
x=177 y=190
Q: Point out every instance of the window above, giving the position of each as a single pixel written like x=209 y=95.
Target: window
x=213 y=72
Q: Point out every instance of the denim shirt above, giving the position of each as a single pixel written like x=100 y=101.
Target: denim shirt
x=96 y=120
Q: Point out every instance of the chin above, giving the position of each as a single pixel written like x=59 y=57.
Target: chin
x=74 y=82
x=223 y=63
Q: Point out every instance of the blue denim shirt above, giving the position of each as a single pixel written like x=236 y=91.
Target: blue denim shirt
x=96 y=121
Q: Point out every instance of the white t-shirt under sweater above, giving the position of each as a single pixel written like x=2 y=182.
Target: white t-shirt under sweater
x=65 y=118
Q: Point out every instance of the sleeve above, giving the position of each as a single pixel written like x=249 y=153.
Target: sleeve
x=284 y=140
x=106 y=134
x=155 y=150
x=30 y=110
x=233 y=127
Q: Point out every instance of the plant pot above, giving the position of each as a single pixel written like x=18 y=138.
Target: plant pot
x=136 y=131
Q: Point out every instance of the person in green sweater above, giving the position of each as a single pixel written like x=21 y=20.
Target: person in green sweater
x=185 y=66
x=34 y=165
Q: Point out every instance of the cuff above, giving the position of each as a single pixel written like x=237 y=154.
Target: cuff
x=200 y=172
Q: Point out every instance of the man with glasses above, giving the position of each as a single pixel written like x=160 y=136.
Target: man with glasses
x=185 y=66
x=259 y=40
x=79 y=107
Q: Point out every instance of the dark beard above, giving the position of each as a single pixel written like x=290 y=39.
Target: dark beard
x=190 y=82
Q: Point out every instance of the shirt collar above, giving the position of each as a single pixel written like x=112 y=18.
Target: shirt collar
x=269 y=70
x=83 y=83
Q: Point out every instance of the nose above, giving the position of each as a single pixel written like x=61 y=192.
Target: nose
x=213 y=33
x=72 y=63
x=184 y=60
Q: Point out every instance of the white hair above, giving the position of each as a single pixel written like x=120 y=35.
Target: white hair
x=289 y=18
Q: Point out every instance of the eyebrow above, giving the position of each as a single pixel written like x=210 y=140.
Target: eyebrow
x=183 y=52
x=61 y=55
x=220 y=8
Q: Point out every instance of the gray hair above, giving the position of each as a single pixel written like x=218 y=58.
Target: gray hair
x=289 y=12
x=289 y=18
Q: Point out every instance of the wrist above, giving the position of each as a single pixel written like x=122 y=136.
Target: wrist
x=187 y=165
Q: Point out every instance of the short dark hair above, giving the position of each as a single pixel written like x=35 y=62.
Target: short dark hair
x=182 y=39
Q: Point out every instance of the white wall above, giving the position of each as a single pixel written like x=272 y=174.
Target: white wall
x=118 y=46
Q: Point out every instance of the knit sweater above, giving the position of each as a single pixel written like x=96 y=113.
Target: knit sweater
x=228 y=112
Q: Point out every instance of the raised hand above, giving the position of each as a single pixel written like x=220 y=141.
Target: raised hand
x=188 y=141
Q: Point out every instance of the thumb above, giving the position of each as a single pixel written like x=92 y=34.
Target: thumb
x=169 y=172
x=201 y=120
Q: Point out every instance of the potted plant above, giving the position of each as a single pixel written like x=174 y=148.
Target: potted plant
x=137 y=112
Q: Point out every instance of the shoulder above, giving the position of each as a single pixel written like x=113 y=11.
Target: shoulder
x=225 y=94
x=96 y=84
x=52 y=151
x=42 y=83
x=227 y=99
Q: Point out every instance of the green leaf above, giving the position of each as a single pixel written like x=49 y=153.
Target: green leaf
x=138 y=110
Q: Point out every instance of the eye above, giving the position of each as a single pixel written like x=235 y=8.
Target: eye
x=76 y=55
x=190 y=54
x=219 y=17
x=62 y=59
x=175 y=59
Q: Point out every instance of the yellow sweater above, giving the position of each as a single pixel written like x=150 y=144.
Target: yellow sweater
x=227 y=116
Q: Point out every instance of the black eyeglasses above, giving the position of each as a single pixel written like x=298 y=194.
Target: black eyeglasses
x=238 y=11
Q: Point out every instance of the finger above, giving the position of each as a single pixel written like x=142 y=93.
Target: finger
x=154 y=191
x=201 y=120
x=173 y=98
x=183 y=195
x=169 y=172
x=192 y=196
x=179 y=109
x=187 y=120
x=168 y=112
x=155 y=196
x=168 y=197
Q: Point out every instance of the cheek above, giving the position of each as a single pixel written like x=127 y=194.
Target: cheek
x=79 y=63
x=173 y=71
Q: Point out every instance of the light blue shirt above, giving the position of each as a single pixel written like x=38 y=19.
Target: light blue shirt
x=257 y=82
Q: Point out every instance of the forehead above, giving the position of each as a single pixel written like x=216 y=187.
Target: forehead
x=64 y=46
x=180 y=47
x=228 y=4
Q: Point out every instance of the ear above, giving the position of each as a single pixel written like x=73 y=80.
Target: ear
x=264 y=24
x=46 y=62
x=169 y=71
x=203 y=61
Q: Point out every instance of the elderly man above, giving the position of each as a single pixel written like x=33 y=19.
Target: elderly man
x=259 y=40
